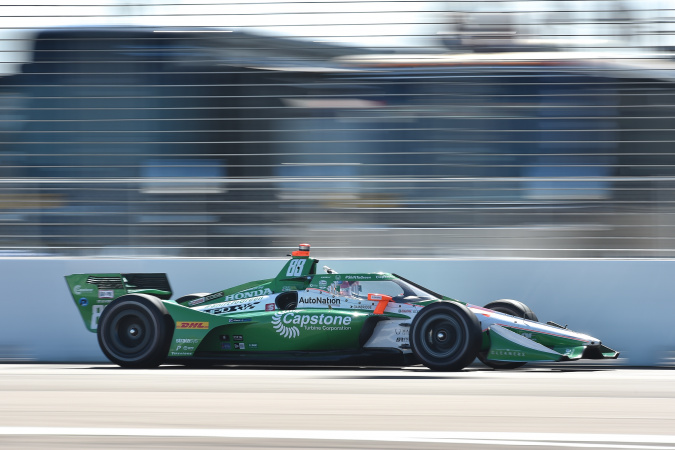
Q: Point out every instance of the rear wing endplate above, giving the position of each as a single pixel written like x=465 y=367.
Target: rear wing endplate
x=93 y=292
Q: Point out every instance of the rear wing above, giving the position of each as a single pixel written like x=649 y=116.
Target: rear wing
x=92 y=292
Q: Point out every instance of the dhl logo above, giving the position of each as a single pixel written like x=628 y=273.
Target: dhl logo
x=192 y=325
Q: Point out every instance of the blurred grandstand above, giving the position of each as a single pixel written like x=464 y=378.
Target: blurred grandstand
x=141 y=141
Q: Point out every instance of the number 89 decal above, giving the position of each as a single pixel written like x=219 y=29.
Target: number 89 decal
x=295 y=268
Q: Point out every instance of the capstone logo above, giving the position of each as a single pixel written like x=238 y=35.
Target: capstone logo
x=79 y=290
x=288 y=323
x=283 y=330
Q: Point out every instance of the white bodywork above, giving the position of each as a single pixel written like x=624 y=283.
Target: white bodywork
x=526 y=328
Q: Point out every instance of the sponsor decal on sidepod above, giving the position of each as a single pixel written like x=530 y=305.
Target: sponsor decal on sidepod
x=192 y=325
x=231 y=298
x=289 y=323
x=328 y=301
x=226 y=307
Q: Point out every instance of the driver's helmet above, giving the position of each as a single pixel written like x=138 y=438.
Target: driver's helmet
x=348 y=288
x=344 y=288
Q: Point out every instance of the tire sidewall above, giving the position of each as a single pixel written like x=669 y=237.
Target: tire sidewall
x=514 y=308
x=151 y=314
x=456 y=320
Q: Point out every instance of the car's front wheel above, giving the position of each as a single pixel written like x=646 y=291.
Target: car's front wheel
x=135 y=331
x=445 y=336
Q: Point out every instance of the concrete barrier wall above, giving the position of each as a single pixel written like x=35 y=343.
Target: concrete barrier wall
x=629 y=305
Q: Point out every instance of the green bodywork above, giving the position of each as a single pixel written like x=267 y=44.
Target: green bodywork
x=243 y=321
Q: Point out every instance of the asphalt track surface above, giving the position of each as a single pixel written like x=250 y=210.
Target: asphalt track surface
x=103 y=406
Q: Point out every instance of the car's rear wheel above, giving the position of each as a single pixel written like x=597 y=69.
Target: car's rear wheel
x=445 y=336
x=135 y=331
x=513 y=308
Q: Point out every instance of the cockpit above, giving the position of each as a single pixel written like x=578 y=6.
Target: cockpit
x=400 y=290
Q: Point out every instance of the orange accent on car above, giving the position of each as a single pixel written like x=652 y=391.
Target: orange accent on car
x=382 y=302
x=303 y=250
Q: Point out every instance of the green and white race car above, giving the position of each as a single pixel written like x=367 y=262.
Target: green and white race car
x=305 y=317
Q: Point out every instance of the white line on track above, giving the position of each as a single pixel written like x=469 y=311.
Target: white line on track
x=623 y=441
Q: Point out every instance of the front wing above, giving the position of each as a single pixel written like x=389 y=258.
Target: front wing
x=512 y=339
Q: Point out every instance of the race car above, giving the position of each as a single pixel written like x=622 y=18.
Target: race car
x=310 y=318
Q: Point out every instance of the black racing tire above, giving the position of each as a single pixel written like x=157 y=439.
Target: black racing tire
x=135 y=331
x=513 y=308
x=445 y=336
x=190 y=297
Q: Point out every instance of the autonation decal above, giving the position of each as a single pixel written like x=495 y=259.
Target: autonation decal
x=288 y=324
x=318 y=300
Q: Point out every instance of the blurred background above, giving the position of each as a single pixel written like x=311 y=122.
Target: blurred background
x=205 y=128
